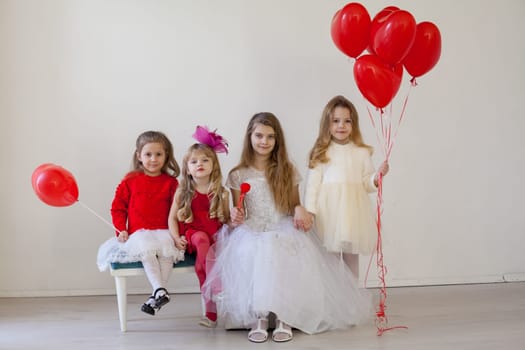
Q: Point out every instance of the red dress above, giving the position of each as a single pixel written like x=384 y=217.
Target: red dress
x=200 y=207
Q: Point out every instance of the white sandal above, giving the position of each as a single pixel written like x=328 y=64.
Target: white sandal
x=282 y=332
x=259 y=334
x=206 y=322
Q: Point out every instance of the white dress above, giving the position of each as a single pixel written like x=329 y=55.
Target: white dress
x=337 y=193
x=266 y=265
x=140 y=244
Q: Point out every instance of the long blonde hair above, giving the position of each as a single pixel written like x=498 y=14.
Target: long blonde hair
x=170 y=167
x=318 y=152
x=279 y=172
x=216 y=192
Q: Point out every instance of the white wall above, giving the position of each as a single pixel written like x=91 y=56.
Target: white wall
x=81 y=79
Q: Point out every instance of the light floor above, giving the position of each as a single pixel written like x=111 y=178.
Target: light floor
x=484 y=316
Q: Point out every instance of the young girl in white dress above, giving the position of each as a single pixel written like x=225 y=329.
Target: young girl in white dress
x=268 y=263
x=340 y=177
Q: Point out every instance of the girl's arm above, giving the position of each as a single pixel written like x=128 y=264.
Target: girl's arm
x=237 y=214
x=173 y=225
x=369 y=175
x=313 y=184
x=302 y=219
x=119 y=211
x=226 y=204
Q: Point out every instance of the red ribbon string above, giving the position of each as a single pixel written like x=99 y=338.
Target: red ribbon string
x=401 y=115
x=386 y=136
x=381 y=317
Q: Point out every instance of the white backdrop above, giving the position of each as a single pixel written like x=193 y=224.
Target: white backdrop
x=81 y=79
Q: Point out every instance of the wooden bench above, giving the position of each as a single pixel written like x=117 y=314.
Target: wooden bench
x=121 y=271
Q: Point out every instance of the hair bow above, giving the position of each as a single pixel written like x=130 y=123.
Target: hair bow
x=211 y=138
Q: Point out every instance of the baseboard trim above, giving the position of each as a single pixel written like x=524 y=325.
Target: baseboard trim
x=420 y=282
x=86 y=292
x=371 y=283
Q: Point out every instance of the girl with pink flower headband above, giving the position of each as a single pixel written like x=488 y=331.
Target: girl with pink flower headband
x=200 y=206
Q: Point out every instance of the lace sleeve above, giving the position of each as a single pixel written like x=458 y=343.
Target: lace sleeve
x=234 y=180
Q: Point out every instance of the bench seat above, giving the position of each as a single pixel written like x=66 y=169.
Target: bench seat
x=120 y=271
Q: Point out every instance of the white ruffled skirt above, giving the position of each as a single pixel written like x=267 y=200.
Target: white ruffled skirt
x=284 y=271
x=139 y=244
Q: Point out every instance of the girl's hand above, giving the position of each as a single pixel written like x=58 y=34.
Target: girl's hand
x=123 y=236
x=302 y=219
x=383 y=168
x=237 y=216
x=180 y=242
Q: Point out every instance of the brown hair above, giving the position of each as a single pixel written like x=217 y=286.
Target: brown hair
x=279 y=172
x=216 y=192
x=170 y=167
x=318 y=152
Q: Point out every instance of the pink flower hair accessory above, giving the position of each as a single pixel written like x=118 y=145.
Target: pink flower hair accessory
x=211 y=138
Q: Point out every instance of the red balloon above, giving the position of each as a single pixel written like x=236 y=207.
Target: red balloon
x=426 y=50
x=350 y=29
x=377 y=21
x=54 y=185
x=376 y=80
x=393 y=36
x=39 y=170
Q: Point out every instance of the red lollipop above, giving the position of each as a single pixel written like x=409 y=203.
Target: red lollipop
x=245 y=188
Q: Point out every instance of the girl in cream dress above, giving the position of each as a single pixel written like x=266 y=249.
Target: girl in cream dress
x=340 y=177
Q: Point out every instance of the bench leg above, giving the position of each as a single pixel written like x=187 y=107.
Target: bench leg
x=122 y=301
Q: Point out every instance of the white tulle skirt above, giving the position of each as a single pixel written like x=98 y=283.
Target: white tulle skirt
x=139 y=244
x=286 y=272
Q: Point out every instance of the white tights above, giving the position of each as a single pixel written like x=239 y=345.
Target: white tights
x=158 y=270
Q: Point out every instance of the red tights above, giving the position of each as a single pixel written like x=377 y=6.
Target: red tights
x=201 y=242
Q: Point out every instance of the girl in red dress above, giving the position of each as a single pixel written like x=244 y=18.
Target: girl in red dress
x=201 y=206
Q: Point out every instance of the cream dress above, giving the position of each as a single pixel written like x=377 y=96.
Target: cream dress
x=337 y=193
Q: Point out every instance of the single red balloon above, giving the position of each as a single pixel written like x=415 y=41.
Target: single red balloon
x=377 y=81
x=376 y=23
x=350 y=29
x=393 y=36
x=54 y=185
x=39 y=169
x=426 y=50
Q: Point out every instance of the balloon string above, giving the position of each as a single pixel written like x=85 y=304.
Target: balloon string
x=386 y=122
x=387 y=144
x=401 y=115
x=380 y=140
x=381 y=317
x=98 y=216
x=370 y=116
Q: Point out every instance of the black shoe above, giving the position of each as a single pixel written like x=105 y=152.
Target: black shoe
x=162 y=300
x=147 y=308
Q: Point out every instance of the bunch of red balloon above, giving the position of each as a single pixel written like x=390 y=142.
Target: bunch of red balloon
x=393 y=40
x=394 y=43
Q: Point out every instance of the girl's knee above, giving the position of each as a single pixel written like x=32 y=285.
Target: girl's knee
x=200 y=239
